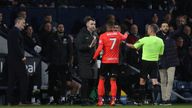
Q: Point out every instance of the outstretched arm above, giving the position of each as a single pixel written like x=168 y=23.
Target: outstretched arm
x=124 y=36
x=130 y=45
x=99 y=49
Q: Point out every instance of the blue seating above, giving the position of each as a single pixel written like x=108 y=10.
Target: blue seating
x=184 y=86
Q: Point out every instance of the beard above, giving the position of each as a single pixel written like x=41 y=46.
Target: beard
x=60 y=33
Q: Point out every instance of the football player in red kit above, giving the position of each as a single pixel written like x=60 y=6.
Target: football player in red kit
x=109 y=43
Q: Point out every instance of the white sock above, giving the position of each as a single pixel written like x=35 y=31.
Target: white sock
x=51 y=98
x=62 y=98
x=33 y=100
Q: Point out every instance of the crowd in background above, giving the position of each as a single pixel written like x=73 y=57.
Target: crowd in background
x=180 y=30
x=164 y=5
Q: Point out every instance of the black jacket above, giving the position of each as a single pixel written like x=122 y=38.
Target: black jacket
x=170 y=56
x=30 y=43
x=59 y=49
x=85 y=54
x=15 y=45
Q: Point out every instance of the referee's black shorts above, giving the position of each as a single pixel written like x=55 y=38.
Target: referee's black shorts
x=111 y=69
x=149 y=68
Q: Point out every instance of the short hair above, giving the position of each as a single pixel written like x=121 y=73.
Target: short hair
x=179 y=38
x=88 y=18
x=60 y=24
x=19 y=19
x=110 y=23
x=154 y=27
x=27 y=26
x=164 y=22
x=109 y=17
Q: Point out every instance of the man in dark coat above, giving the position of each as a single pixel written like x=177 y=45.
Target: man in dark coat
x=59 y=57
x=16 y=63
x=85 y=42
x=168 y=63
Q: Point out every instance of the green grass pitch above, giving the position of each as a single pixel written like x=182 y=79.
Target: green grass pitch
x=105 y=106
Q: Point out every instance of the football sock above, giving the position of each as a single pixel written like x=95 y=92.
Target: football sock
x=101 y=87
x=113 y=88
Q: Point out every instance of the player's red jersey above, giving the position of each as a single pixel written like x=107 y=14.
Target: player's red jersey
x=109 y=42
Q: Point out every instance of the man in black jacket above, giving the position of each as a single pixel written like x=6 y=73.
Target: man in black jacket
x=59 y=57
x=85 y=42
x=16 y=63
x=168 y=62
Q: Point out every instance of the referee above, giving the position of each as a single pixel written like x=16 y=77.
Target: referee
x=152 y=47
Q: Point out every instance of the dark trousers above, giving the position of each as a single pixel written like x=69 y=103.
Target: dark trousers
x=17 y=78
x=57 y=80
x=87 y=86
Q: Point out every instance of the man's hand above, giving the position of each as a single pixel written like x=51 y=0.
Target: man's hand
x=24 y=59
x=37 y=48
x=130 y=45
x=92 y=61
x=124 y=43
x=126 y=33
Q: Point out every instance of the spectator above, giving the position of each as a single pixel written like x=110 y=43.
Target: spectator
x=110 y=4
x=134 y=34
x=44 y=34
x=23 y=13
x=187 y=37
x=31 y=41
x=154 y=4
x=168 y=62
x=49 y=18
x=126 y=25
x=180 y=22
x=86 y=43
x=181 y=54
x=110 y=18
x=3 y=26
x=187 y=69
x=168 y=5
x=154 y=20
x=168 y=18
x=16 y=63
x=132 y=55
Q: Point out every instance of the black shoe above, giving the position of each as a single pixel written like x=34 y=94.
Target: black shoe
x=87 y=104
x=155 y=103
x=24 y=103
x=12 y=104
x=139 y=104
x=52 y=103
x=62 y=102
x=168 y=102
x=163 y=103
